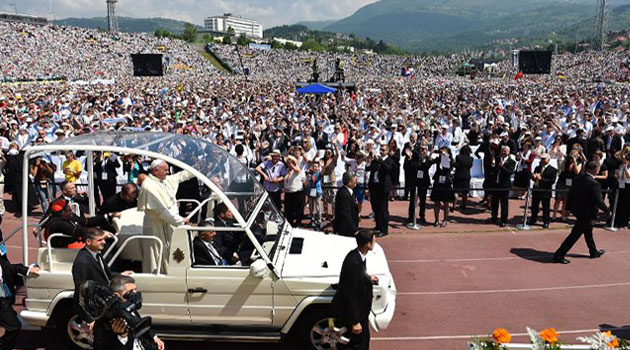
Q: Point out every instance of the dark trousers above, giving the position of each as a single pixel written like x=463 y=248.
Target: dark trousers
x=294 y=207
x=536 y=200
x=500 y=197
x=9 y=321
x=359 y=341
x=623 y=208
x=421 y=193
x=275 y=198
x=582 y=226
x=380 y=206
x=107 y=189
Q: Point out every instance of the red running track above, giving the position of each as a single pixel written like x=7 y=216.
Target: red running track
x=469 y=278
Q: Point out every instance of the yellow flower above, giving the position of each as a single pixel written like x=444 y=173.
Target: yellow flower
x=549 y=335
x=501 y=336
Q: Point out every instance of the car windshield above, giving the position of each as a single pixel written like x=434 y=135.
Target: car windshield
x=226 y=171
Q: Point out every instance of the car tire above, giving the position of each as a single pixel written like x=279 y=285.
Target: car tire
x=72 y=335
x=314 y=331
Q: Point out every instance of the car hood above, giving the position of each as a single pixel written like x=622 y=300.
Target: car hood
x=321 y=255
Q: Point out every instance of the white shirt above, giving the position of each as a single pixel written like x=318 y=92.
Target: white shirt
x=363 y=257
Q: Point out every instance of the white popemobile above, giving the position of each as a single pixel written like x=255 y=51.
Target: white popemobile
x=285 y=290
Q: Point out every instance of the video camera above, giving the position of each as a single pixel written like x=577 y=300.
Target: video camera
x=100 y=302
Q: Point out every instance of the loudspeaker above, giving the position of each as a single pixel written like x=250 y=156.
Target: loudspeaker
x=147 y=65
x=534 y=62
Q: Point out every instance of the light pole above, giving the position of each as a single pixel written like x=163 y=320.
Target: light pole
x=14 y=7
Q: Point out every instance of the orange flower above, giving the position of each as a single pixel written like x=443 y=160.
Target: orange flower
x=549 y=335
x=614 y=343
x=501 y=336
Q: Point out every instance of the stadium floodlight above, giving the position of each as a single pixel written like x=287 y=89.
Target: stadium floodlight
x=112 y=21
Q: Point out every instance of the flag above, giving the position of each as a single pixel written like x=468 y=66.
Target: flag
x=518 y=76
x=561 y=75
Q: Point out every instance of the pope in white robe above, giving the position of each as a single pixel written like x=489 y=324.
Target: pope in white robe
x=157 y=201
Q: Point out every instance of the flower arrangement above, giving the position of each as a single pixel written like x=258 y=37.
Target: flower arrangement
x=496 y=341
x=605 y=341
x=545 y=340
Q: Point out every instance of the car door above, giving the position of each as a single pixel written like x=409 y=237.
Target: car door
x=229 y=295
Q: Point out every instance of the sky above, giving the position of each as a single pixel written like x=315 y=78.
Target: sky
x=269 y=13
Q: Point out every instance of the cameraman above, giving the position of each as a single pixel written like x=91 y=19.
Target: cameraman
x=119 y=336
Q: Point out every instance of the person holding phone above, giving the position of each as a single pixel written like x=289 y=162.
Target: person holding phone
x=71 y=167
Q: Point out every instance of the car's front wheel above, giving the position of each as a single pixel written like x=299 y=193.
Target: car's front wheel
x=319 y=331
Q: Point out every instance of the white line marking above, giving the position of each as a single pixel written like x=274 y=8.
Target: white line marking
x=449 y=337
x=488 y=259
x=517 y=290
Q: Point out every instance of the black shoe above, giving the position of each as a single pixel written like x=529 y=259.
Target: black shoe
x=531 y=223
x=424 y=222
x=491 y=220
x=561 y=261
x=503 y=224
x=597 y=254
x=444 y=223
x=436 y=224
x=382 y=234
x=546 y=225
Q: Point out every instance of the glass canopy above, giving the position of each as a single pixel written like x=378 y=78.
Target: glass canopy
x=226 y=171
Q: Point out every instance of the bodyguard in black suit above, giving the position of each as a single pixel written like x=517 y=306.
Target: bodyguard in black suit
x=544 y=177
x=346 y=221
x=105 y=173
x=353 y=300
x=8 y=317
x=380 y=185
x=585 y=199
x=90 y=266
x=504 y=168
x=419 y=164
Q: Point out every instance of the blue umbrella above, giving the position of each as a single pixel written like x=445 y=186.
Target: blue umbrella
x=316 y=89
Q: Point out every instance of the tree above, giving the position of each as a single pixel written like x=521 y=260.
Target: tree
x=290 y=46
x=380 y=47
x=190 y=33
x=242 y=40
x=227 y=40
x=311 y=45
x=161 y=33
x=207 y=38
x=275 y=44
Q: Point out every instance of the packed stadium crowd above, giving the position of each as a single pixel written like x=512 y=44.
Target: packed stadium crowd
x=432 y=108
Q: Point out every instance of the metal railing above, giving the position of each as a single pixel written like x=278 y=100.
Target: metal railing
x=150 y=238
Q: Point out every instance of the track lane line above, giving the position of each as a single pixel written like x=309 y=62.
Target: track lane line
x=450 y=337
x=524 y=290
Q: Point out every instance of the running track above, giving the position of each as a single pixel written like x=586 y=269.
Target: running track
x=470 y=278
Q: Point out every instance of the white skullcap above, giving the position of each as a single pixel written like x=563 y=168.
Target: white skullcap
x=155 y=163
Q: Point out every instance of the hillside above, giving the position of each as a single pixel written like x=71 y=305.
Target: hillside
x=128 y=24
x=452 y=25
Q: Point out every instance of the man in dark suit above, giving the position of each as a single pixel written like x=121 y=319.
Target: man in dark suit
x=90 y=266
x=346 y=221
x=125 y=199
x=584 y=201
x=612 y=141
x=118 y=336
x=105 y=174
x=228 y=242
x=206 y=253
x=418 y=164
x=504 y=168
x=69 y=194
x=544 y=177
x=353 y=299
x=8 y=317
x=380 y=185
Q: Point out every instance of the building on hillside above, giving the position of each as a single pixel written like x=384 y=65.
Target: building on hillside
x=21 y=18
x=282 y=41
x=222 y=24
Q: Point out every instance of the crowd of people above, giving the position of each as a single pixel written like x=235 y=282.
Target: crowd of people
x=415 y=137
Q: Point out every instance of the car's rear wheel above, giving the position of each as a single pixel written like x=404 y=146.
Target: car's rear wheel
x=320 y=331
x=76 y=335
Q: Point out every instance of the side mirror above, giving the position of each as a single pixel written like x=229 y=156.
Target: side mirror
x=258 y=269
